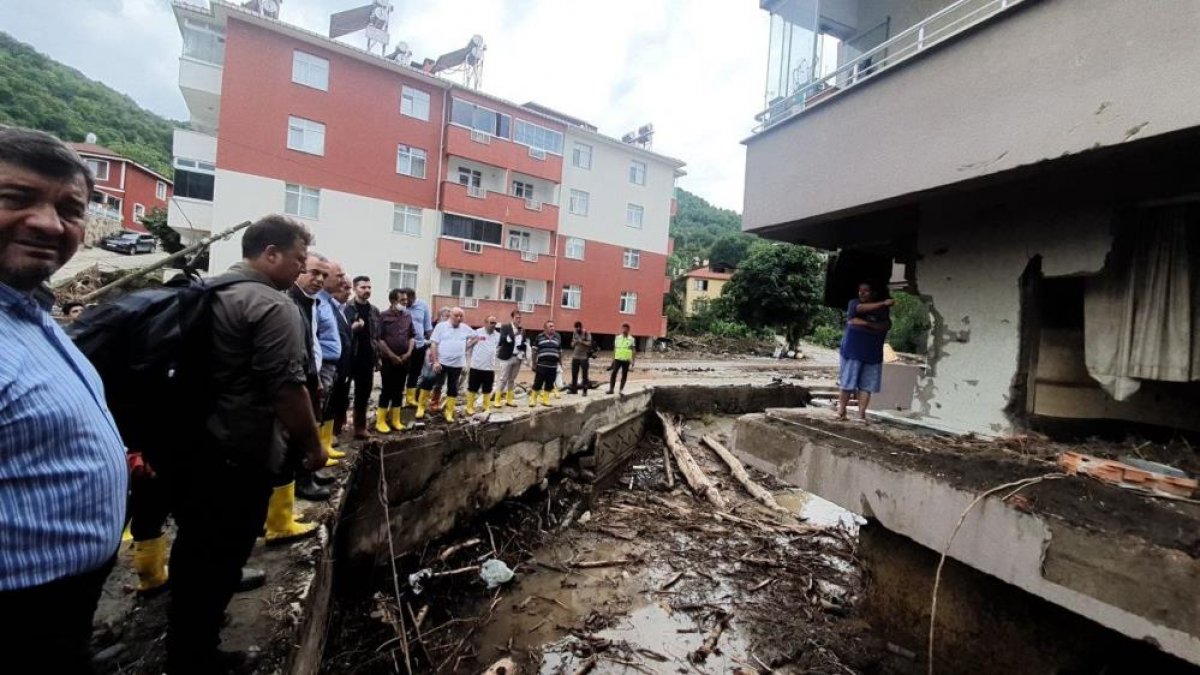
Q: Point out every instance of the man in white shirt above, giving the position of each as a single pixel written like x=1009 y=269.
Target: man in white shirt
x=448 y=354
x=483 y=365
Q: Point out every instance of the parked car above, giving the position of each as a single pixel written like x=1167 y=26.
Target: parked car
x=130 y=243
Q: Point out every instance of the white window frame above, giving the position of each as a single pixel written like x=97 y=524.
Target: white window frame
x=522 y=189
x=408 y=157
x=160 y=191
x=139 y=212
x=632 y=259
x=535 y=136
x=403 y=275
x=302 y=194
x=572 y=296
x=509 y=290
x=581 y=156
x=575 y=248
x=628 y=304
x=414 y=103
x=94 y=166
x=700 y=285
x=466 y=284
x=204 y=30
x=579 y=202
x=307 y=136
x=635 y=216
x=310 y=70
x=523 y=239
x=407 y=220
x=637 y=172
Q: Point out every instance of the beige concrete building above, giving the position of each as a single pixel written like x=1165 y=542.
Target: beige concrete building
x=703 y=286
x=1033 y=164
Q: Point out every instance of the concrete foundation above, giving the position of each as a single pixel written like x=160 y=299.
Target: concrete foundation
x=1133 y=576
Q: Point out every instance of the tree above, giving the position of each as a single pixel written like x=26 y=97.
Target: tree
x=730 y=249
x=155 y=222
x=778 y=285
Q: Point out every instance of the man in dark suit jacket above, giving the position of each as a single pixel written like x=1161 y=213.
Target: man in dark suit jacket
x=337 y=401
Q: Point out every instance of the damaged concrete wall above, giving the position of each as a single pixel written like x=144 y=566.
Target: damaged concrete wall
x=973 y=252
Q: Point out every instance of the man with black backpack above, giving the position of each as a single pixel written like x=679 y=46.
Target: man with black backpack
x=63 y=476
x=221 y=486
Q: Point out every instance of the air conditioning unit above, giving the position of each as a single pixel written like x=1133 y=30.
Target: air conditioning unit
x=529 y=256
x=533 y=204
x=481 y=137
x=476 y=192
x=526 y=307
x=537 y=154
x=468 y=303
x=472 y=247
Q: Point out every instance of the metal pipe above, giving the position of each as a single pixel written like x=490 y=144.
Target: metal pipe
x=207 y=241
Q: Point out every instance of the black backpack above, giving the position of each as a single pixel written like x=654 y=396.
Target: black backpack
x=151 y=349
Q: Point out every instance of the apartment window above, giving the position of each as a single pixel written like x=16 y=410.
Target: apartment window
x=535 y=136
x=194 y=179
x=410 y=161
x=462 y=285
x=579 y=202
x=469 y=177
x=522 y=189
x=303 y=201
x=637 y=173
x=572 y=297
x=519 y=240
x=402 y=275
x=462 y=227
x=310 y=71
x=99 y=169
x=406 y=220
x=203 y=42
x=633 y=258
x=414 y=103
x=628 y=302
x=633 y=216
x=700 y=284
x=139 y=212
x=467 y=114
x=514 y=290
x=306 y=136
x=581 y=156
x=575 y=248
x=160 y=191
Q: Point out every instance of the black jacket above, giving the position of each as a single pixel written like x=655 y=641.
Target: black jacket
x=306 y=306
x=346 y=362
x=508 y=342
x=362 y=351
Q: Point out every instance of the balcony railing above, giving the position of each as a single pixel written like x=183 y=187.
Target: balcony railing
x=937 y=27
x=102 y=211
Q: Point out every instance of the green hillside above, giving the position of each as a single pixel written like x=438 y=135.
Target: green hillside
x=38 y=92
x=707 y=232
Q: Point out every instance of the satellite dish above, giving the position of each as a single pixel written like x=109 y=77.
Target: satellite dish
x=402 y=54
x=646 y=129
x=270 y=8
x=90 y=138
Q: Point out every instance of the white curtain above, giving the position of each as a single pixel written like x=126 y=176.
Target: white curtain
x=1141 y=314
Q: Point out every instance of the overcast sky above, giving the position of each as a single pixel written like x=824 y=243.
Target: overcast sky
x=694 y=68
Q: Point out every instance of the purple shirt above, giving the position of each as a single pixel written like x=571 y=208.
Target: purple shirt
x=860 y=343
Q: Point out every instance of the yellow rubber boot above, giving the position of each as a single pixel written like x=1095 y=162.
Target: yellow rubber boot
x=281 y=517
x=127 y=534
x=487 y=402
x=150 y=563
x=327 y=441
x=448 y=408
x=470 y=403
x=546 y=399
x=381 y=424
x=394 y=421
x=533 y=397
x=422 y=401
x=498 y=399
x=410 y=397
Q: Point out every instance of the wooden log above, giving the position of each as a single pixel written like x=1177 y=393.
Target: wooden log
x=691 y=471
x=669 y=469
x=739 y=472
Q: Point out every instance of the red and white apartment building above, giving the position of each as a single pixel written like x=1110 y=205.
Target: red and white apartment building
x=417 y=181
x=125 y=190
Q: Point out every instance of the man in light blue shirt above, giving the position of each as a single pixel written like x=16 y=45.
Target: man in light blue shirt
x=63 y=476
x=422 y=322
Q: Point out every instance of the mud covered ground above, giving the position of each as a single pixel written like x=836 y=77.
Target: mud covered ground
x=633 y=576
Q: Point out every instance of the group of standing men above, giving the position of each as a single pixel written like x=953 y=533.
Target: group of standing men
x=282 y=381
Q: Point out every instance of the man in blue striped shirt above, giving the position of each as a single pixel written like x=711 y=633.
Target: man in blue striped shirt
x=63 y=475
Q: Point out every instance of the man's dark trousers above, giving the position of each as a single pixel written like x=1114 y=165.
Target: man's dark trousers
x=48 y=628
x=578 y=365
x=363 y=376
x=220 y=509
x=415 y=363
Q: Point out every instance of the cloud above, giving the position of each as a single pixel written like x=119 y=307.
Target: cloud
x=693 y=68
